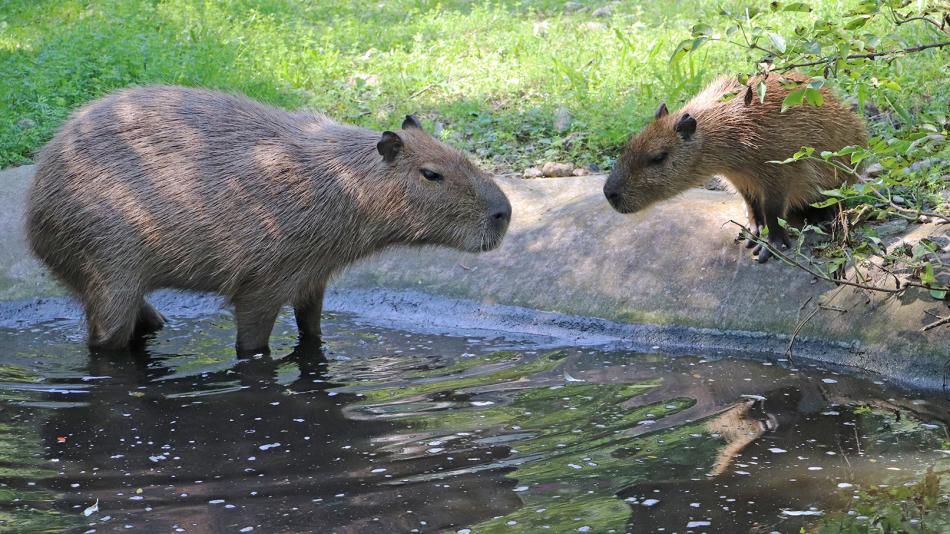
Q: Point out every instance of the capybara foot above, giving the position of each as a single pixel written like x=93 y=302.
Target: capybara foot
x=248 y=351
x=778 y=240
x=149 y=320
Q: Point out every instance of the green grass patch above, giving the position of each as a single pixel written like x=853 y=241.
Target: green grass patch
x=488 y=76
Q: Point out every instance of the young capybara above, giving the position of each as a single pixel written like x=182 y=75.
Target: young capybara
x=736 y=138
x=171 y=187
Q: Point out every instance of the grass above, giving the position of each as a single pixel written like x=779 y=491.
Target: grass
x=490 y=77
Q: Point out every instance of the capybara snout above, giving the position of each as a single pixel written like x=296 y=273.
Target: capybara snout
x=171 y=187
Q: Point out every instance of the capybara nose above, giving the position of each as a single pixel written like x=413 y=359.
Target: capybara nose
x=502 y=216
x=612 y=194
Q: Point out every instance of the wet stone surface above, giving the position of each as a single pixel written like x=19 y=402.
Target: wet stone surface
x=389 y=431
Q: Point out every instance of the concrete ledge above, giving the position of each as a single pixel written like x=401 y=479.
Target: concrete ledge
x=673 y=270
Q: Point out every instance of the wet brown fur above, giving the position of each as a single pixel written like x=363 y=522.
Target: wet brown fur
x=736 y=141
x=170 y=187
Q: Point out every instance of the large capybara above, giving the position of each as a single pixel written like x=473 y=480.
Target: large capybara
x=171 y=187
x=736 y=138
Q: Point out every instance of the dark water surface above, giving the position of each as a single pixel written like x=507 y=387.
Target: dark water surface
x=387 y=431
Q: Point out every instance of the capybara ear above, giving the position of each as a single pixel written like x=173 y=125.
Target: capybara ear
x=686 y=126
x=389 y=146
x=661 y=112
x=411 y=122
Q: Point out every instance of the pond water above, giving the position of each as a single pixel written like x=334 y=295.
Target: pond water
x=389 y=431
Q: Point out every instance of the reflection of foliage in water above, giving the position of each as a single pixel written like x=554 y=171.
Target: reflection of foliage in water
x=21 y=462
x=920 y=507
x=573 y=444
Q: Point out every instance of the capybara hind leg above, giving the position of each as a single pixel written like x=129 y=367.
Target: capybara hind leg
x=307 y=312
x=255 y=321
x=149 y=320
x=111 y=318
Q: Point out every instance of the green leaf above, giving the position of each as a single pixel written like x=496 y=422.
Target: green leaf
x=778 y=41
x=938 y=294
x=792 y=99
x=824 y=203
x=857 y=22
x=761 y=89
x=927 y=276
x=801 y=7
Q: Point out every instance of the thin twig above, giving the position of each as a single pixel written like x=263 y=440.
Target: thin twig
x=869 y=55
x=801 y=324
x=794 y=263
x=901 y=287
x=832 y=308
x=935 y=324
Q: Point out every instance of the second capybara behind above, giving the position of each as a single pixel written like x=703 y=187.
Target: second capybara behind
x=736 y=138
x=172 y=187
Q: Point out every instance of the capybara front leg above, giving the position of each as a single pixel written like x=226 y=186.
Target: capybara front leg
x=307 y=313
x=755 y=219
x=778 y=237
x=255 y=321
x=111 y=318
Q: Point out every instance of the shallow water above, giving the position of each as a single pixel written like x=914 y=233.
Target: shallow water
x=389 y=431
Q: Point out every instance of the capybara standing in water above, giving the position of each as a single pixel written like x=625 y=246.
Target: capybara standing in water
x=716 y=135
x=170 y=187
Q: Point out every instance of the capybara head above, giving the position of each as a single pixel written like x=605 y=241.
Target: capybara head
x=454 y=203
x=657 y=163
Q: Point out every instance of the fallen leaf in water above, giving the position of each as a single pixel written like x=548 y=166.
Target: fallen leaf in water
x=92 y=509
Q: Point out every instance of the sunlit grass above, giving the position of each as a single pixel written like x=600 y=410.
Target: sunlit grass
x=492 y=75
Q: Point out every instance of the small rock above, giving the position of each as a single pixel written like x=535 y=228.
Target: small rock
x=592 y=26
x=562 y=119
x=573 y=6
x=533 y=172
x=25 y=124
x=605 y=11
x=581 y=171
x=553 y=169
x=875 y=169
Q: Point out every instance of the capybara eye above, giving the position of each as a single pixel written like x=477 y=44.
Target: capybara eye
x=659 y=158
x=432 y=176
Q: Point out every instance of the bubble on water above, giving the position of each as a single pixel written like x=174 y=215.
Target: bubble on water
x=694 y=524
x=777 y=450
x=216 y=501
x=650 y=502
x=800 y=513
x=378 y=470
x=829 y=380
x=844 y=485
x=574 y=466
x=269 y=446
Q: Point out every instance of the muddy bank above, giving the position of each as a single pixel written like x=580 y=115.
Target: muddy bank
x=669 y=277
